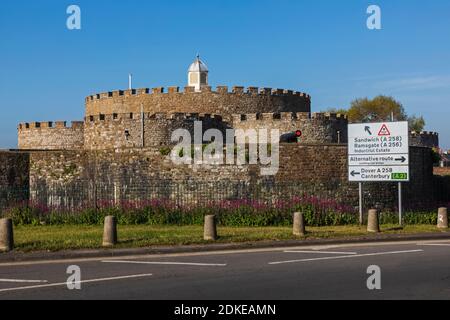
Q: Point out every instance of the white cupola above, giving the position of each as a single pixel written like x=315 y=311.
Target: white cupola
x=198 y=74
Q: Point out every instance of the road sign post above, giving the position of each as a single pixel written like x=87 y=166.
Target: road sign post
x=379 y=152
x=400 y=206
x=361 y=214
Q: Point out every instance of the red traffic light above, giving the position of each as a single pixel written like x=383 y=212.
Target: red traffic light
x=298 y=133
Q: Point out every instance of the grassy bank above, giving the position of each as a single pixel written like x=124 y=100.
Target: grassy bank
x=55 y=238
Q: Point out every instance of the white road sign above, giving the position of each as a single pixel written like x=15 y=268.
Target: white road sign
x=378 y=152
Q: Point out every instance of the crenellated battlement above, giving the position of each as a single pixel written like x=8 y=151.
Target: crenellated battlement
x=425 y=133
x=131 y=130
x=74 y=125
x=315 y=127
x=153 y=116
x=424 y=139
x=288 y=116
x=204 y=89
x=49 y=135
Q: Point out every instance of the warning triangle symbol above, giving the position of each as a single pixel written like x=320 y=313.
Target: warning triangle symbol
x=384 y=131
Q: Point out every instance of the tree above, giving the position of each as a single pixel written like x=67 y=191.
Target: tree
x=378 y=109
x=337 y=110
x=416 y=124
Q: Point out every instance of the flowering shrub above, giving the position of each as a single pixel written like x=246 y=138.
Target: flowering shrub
x=237 y=213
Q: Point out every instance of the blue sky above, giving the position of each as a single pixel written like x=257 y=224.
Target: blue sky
x=321 y=47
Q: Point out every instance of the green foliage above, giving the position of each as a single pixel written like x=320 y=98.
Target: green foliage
x=435 y=156
x=378 y=109
x=410 y=218
x=416 y=124
x=165 y=151
x=337 y=110
x=239 y=216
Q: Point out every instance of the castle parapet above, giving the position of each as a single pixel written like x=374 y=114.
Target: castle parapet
x=220 y=100
x=123 y=130
x=316 y=128
x=424 y=139
x=51 y=135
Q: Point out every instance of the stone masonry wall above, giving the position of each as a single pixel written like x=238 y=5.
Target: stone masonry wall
x=424 y=139
x=49 y=136
x=221 y=101
x=75 y=177
x=14 y=177
x=316 y=128
x=114 y=131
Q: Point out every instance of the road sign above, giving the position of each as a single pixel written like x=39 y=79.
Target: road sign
x=378 y=152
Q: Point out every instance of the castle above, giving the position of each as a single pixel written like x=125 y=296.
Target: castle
x=138 y=118
x=118 y=149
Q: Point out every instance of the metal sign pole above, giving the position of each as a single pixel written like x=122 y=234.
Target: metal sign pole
x=400 y=209
x=361 y=216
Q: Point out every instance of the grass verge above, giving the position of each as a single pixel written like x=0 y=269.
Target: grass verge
x=70 y=237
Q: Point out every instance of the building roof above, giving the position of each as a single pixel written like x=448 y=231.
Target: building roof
x=198 y=66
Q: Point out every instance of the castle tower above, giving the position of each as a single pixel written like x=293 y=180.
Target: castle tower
x=198 y=74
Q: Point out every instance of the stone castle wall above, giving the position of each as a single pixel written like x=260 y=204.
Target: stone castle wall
x=125 y=130
x=51 y=136
x=73 y=177
x=315 y=128
x=221 y=101
x=424 y=139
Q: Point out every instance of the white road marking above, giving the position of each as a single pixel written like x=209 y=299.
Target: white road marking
x=23 y=281
x=346 y=257
x=219 y=252
x=322 y=252
x=168 y=263
x=435 y=244
x=84 y=281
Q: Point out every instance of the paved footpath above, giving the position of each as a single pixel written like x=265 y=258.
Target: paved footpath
x=409 y=270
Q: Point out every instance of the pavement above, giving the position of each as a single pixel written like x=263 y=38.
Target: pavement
x=413 y=269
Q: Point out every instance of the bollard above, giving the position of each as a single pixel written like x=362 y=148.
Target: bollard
x=443 y=218
x=373 y=224
x=110 y=232
x=210 y=230
x=299 y=224
x=6 y=235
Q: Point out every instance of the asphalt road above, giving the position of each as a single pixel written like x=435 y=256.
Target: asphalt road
x=408 y=271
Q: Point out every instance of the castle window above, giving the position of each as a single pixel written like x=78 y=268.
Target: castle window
x=102 y=117
x=203 y=78
x=277 y=116
x=131 y=115
x=91 y=118
x=115 y=116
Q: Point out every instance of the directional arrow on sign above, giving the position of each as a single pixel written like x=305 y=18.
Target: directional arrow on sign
x=354 y=173
x=367 y=129
x=402 y=159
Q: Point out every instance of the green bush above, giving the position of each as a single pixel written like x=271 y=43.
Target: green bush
x=241 y=215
